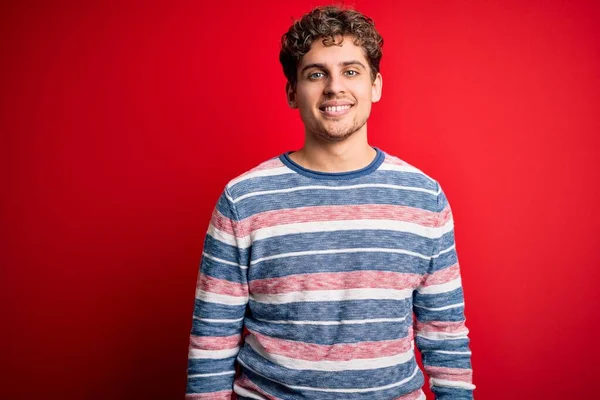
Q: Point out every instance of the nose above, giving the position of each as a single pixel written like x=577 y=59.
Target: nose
x=335 y=85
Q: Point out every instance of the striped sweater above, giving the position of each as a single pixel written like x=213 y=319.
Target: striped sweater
x=319 y=285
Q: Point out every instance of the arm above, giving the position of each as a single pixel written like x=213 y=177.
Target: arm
x=221 y=298
x=440 y=331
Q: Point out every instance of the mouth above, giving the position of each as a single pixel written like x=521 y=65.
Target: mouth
x=335 y=110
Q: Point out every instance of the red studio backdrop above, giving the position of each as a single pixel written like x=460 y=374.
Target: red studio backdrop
x=121 y=122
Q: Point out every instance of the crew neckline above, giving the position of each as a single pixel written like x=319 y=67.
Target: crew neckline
x=377 y=161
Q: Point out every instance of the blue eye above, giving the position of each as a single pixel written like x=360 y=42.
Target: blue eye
x=316 y=75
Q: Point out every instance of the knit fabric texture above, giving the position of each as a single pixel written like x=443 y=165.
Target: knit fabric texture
x=317 y=285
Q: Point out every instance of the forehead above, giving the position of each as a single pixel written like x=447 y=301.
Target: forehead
x=333 y=54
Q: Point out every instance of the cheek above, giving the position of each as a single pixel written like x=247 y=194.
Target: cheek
x=365 y=92
x=309 y=95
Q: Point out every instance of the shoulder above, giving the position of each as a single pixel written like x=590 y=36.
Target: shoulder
x=408 y=172
x=256 y=178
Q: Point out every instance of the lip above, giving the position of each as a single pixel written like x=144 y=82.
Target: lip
x=332 y=103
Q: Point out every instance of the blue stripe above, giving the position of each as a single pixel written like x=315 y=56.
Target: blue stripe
x=227 y=252
x=224 y=271
x=451 y=345
x=331 y=310
x=436 y=300
x=209 y=384
x=359 y=261
x=378 y=238
x=449 y=315
x=205 y=309
x=452 y=393
x=320 y=197
x=211 y=366
x=444 y=260
x=446 y=360
x=225 y=207
x=445 y=241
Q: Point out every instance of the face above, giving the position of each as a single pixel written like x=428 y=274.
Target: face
x=334 y=91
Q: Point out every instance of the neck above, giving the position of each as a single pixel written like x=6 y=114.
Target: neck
x=350 y=154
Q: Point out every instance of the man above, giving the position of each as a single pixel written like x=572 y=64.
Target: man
x=321 y=256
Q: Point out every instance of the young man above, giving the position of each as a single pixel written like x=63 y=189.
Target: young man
x=321 y=256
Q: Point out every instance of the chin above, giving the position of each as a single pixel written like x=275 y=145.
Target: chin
x=335 y=136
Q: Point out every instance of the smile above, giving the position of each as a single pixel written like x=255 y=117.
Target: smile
x=336 y=110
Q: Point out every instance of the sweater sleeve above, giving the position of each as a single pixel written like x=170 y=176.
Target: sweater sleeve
x=440 y=332
x=220 y=304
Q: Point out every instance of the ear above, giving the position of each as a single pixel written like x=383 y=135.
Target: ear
x=376 y=88
x=291 y=95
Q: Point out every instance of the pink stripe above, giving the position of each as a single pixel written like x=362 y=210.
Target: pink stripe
x=269 y=164
x=223 y=223
x=215 y=342
x=336 y=352
x=442 y=276
x=344 y=212
x=223 y=395
x=410 y=396
x=221 y=286
x=441 y=326
x=246 y=383
x=451 y=374
x=395 y=161
x=336 y=281
x=328 y=213
x=445 y=215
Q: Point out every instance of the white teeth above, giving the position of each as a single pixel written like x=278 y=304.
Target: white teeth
x=337 y=108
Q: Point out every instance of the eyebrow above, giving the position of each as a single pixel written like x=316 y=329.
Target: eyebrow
x=342 y=64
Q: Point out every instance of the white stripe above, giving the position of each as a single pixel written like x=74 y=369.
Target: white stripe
x=341 y=322
x=442 y=288
x=333 y=295
x=204 y=254
x=242 y=242
x=259 y=174
x=466 y=353
x=221 y=236
x=457 y=305
x=317 y=187
x=217 y=354
x=447 y=227
x=447 y=383
x=213 y=374
x=340 y=251
x=221 y=298
x=346 y=225
x=330 y=366
x=444 y=335
x=246 y=393
x=349 y=390
x=218 y=321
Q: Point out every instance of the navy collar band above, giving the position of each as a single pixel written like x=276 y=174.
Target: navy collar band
x=377 y=161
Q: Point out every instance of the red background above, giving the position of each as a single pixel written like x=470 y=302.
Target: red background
x=122 y=122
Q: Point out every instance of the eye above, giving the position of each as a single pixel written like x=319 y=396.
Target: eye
x=351 y=72
x=316 y=75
